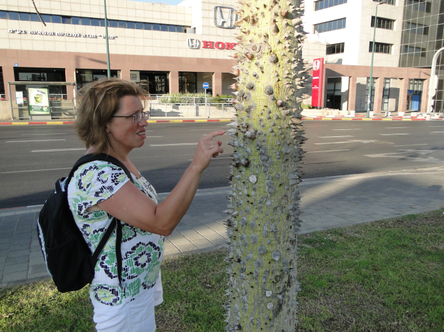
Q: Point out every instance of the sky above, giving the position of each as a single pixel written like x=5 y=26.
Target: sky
x=167 y=2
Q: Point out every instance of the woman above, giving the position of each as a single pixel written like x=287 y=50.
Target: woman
x=111 y=120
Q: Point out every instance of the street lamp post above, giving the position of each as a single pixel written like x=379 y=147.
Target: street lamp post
x=370 y=83
x=107 y=44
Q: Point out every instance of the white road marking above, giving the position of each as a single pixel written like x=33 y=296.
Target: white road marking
x=59 y=150
x=404 y=154
x=38 y=140
x=36 y=170
x=398 y=146
x=43 y=134
x=395 y=134
x=174 y=144
x=336 y=136
x=437 y=132
x=345 y=142
x=349 y=129
x=326 y=151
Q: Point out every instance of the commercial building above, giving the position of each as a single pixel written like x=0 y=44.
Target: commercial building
x=347 y=30
x=169 y=49
x=166 y=49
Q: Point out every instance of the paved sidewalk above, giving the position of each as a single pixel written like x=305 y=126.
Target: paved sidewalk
x=326 y=203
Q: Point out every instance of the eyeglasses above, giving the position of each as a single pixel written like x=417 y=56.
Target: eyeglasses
x=136 y=117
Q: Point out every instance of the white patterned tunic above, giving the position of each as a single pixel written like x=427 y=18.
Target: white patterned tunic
x=142 y=252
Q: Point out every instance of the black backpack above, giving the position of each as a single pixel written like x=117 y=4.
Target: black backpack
x=67 y=256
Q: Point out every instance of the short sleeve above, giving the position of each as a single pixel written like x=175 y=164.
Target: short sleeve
x=92 y=183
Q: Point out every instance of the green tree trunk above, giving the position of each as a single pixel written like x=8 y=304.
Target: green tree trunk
x=267 y=138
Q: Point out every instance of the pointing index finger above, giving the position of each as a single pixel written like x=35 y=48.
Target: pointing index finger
x=213 y=134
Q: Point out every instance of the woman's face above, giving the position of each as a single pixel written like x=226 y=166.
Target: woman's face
x=123 y=133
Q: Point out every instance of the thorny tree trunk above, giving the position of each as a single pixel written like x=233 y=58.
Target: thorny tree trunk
x=267 y=138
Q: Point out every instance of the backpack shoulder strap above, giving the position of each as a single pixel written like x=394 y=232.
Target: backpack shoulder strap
x=101 y=156
x=115 y=222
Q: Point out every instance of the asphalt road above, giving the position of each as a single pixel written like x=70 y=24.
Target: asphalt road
x=33 y=157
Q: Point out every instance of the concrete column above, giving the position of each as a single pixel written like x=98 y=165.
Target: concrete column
x=70 y=74
x=217 y=84
x=404 y=86
x=352 y=94
x=174 y=81
x=8 y=76
x=377 y=101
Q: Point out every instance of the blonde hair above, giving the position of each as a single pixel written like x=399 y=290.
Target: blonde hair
x=97 y=103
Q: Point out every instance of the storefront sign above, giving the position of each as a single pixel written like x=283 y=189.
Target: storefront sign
x=317 y=82
x=196 y=44
x=38 y=101
x=224 y=17
x=59 y=34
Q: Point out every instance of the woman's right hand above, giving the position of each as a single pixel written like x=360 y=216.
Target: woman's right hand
x=207 y=148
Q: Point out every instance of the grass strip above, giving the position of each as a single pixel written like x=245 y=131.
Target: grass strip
x=381 y=276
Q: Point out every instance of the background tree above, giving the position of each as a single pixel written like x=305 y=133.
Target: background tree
x=267 y=137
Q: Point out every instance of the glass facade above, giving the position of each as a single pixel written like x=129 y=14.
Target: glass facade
x=23 y=16
x=85 y=76
x=322 y=4
x=330 y=26
x=335 y=48
x=422 y=36
x=187 y=82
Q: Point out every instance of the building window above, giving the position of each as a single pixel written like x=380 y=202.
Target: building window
x=383 y=23
x=386 y=94
x=413 y=50
x=335 y=48
x=334 y=93
x=43 y=75
x=414 y=94
x=330 y=26
x=381 y=48
x=85 y=76
x=417 y=28
x=372 y=96
x=387 y=2
x=322 y=4
x=24 y=16
x=187 y=82
x=419 y=5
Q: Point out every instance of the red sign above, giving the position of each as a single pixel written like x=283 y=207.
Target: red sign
x=218 y=45
x=317 y=82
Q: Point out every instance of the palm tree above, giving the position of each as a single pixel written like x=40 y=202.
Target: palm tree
x=267 y=138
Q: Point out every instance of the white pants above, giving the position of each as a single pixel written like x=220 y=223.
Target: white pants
x=130 y=316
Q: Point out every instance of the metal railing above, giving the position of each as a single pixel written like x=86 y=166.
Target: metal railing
x=197 y=110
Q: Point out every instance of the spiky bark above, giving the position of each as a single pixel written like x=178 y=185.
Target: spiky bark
x=267 y=138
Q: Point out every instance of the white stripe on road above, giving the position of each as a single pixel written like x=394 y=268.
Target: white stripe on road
x=59 y=150
x=335 y=136
x=398 y=146
x=326 y=151
x=175 y=144
x=345 y=142
x=395 y=134
x=43 y=134
x=38 y=140
x=36 y=170
x=349 y=129
x=437 y=132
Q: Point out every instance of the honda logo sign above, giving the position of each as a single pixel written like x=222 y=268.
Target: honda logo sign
x=224 y=17
x=193 y=43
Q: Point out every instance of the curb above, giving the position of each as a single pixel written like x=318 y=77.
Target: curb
x=25 y=123
x=322 y=118
x=314 y=118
